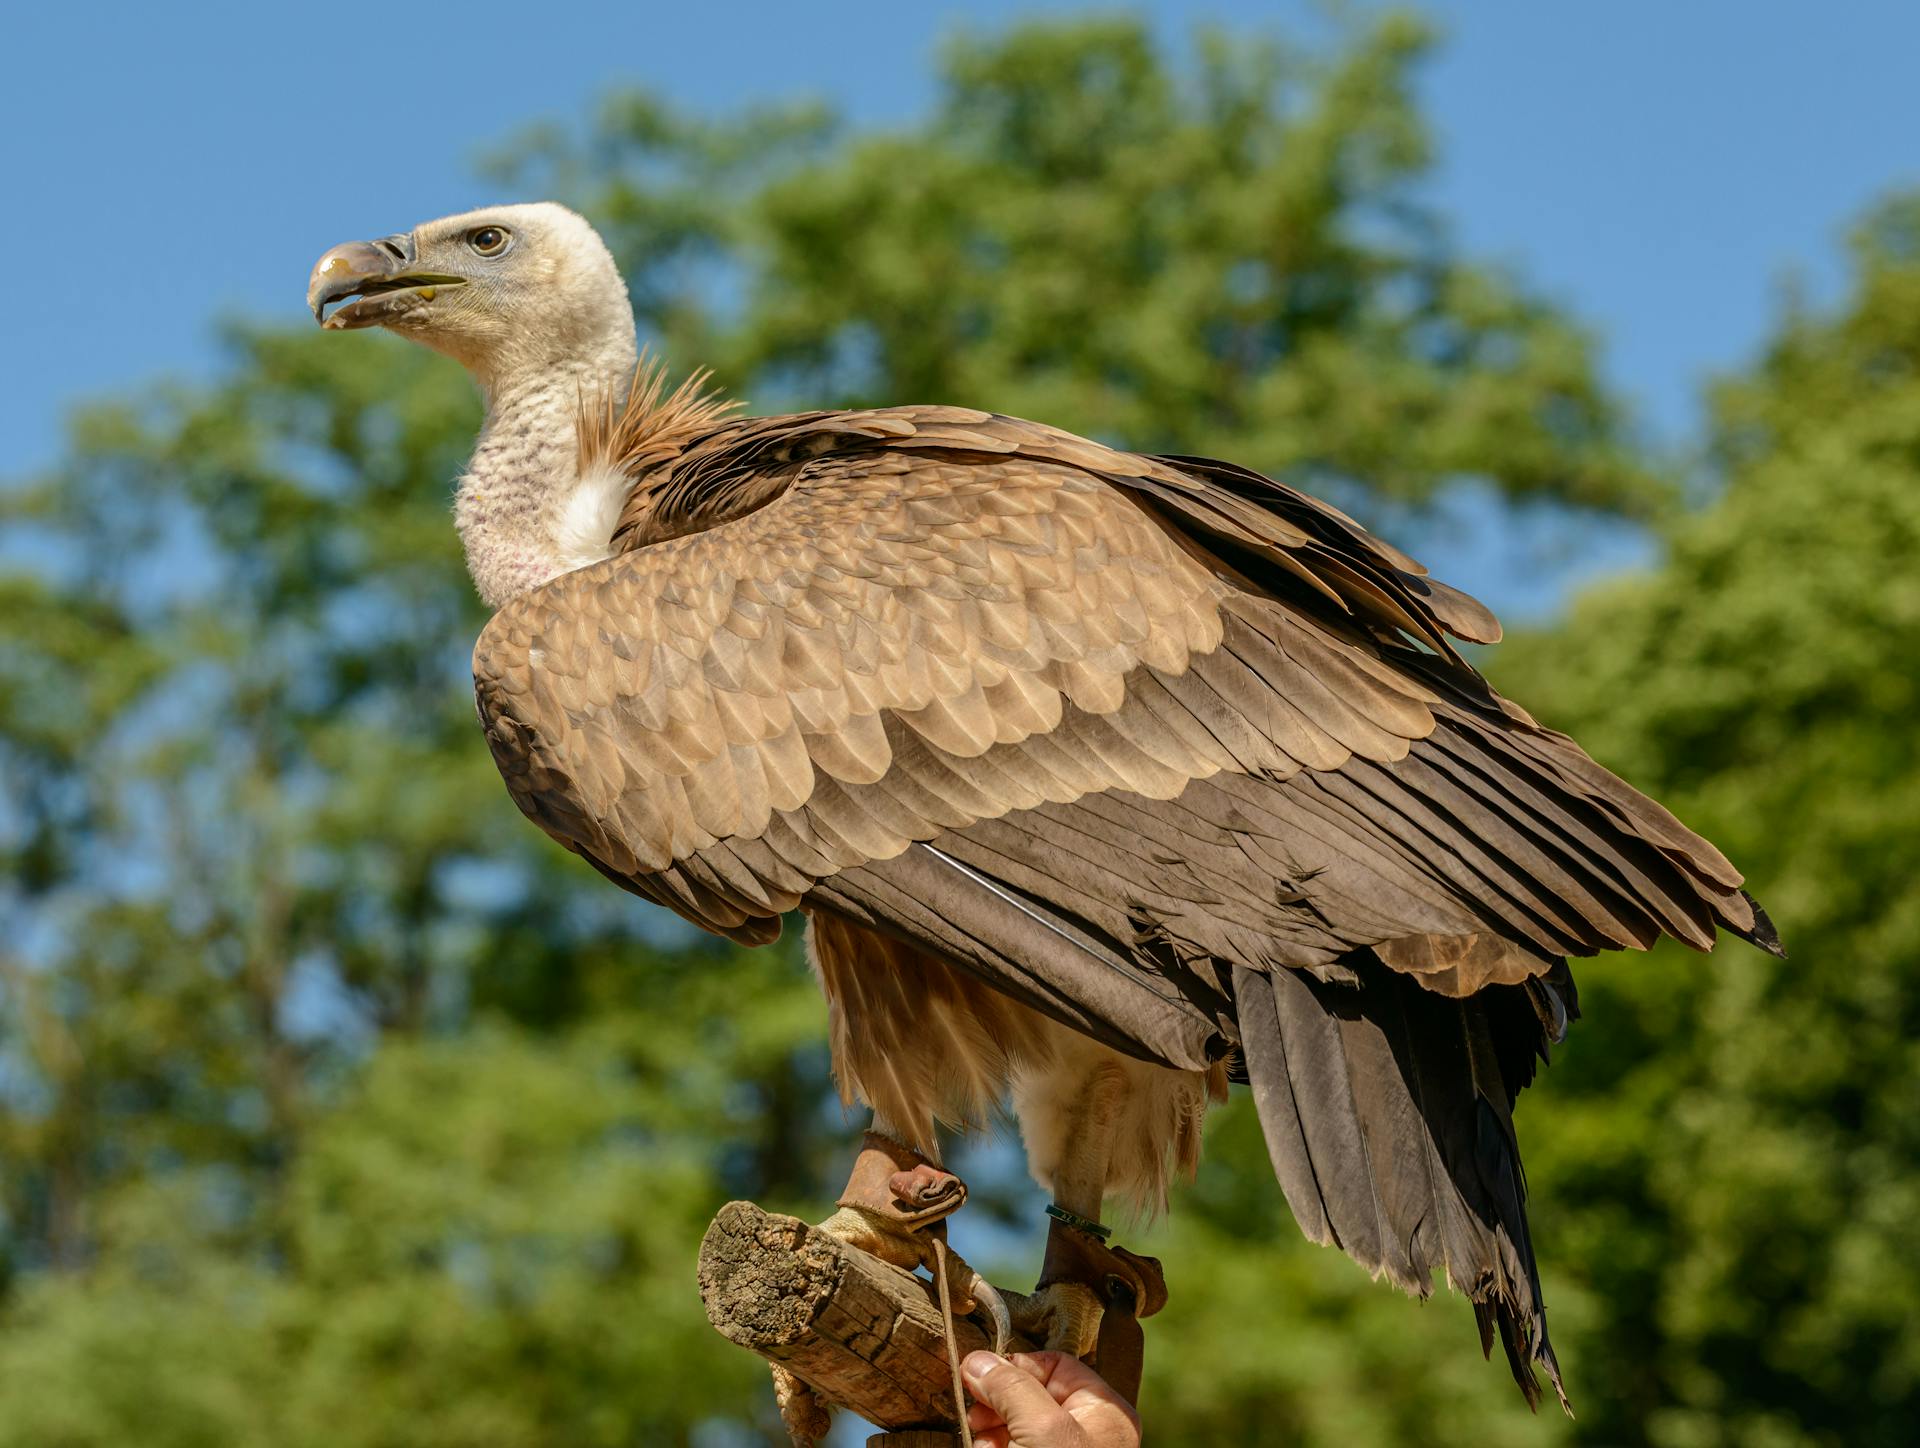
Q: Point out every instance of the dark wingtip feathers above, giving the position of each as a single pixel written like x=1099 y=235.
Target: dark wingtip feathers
x=1764 y=934
x=1526 y=1345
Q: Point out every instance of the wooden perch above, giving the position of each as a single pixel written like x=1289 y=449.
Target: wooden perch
x=864 y=1335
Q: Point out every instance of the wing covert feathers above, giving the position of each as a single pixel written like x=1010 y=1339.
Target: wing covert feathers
x=758 y=675
x=837 y=634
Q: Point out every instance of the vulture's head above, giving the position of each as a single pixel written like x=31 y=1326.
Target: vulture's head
x=498 y=290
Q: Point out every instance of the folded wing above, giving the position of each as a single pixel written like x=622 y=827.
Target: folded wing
x=1173 y=753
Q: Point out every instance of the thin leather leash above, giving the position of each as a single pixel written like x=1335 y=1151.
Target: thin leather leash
x=953 y=1342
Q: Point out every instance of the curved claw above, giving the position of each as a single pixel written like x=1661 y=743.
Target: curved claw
x=986 y=1295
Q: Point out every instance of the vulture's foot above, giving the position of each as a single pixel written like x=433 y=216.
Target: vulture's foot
x=1091 y=1298
x=1061 y=1317
x=894 y=1199
x=805 y=1417
x=895 y=1207
x=876 y=1236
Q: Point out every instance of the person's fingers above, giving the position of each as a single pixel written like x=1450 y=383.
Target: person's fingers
x=1040 y=1364
x=1045 y=1398
x=982 y=1416
x=988 y=1435
x=1063 y=1374
x=1014 y=1391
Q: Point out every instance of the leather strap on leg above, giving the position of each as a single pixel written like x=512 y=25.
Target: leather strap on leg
x=1129 y=1286
x=1119 y=1353
x=893 y=1181
x=1077 y=1256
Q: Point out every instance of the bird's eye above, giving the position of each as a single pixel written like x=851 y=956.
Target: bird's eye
x=488 y=240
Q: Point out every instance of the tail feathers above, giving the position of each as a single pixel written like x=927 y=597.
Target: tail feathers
x=1388 y=1116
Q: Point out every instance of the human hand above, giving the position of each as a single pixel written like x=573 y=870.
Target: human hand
x=1045 y=1400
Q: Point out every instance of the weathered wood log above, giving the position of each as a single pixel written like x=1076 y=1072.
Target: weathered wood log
x=864 y=1335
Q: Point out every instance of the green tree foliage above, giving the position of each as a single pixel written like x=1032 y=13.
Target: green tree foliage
x=317 y=1062
x=1732 y=1152
x=341 y=1107
x=1228 y=255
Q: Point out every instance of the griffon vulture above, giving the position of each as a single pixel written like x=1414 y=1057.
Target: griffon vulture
x=1103 y=780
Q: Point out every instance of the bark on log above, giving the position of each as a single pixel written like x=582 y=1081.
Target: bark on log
x=864 y=1335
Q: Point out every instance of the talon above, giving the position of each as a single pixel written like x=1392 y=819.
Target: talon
x=972 y=1294
x=985 y=1294
x=802 y=1413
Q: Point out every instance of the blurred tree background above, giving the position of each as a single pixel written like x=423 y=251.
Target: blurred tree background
x=341 y=1108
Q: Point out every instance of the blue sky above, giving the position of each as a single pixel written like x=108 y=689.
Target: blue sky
x=1658 y=167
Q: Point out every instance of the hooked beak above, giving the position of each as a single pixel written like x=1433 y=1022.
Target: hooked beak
x=381 y=274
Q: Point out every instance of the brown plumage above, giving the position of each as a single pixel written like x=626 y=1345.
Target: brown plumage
x=1103 y=778
x=1170 y=753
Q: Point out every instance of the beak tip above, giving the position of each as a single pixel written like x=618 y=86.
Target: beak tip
x=339 y=272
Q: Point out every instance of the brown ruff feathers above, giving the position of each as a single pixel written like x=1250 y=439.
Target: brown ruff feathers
x=649 y=424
